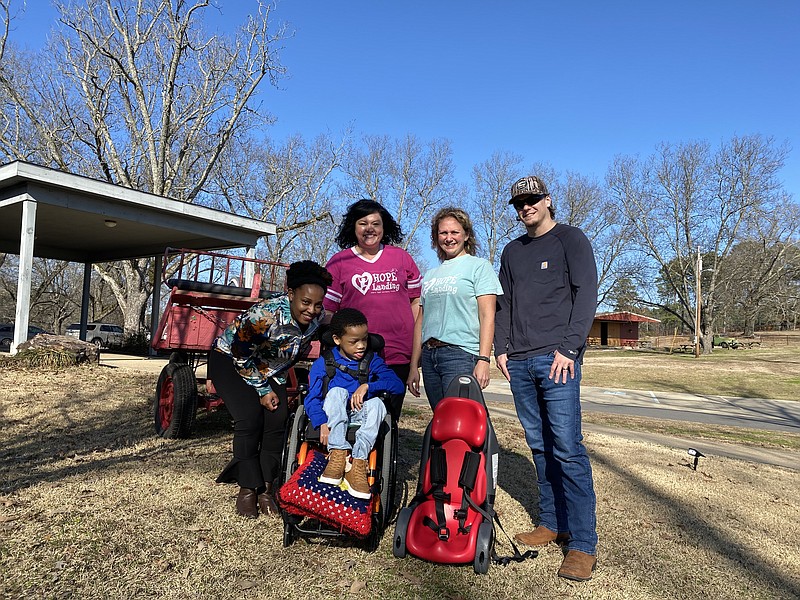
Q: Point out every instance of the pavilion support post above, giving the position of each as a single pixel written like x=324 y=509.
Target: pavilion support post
x=249 y=268
x=85 y=295
x=27 y=236
x=155 y=312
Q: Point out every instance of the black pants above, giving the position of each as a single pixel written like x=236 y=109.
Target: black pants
x=258 y=434
x=396 y=404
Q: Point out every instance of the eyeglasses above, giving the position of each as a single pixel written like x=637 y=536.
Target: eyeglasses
x=531 y=201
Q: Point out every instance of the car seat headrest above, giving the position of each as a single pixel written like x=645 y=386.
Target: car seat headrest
x=459 y=418
x=375 y=343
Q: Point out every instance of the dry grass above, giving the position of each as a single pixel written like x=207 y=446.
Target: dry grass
x=756 y=373
x=92 y=505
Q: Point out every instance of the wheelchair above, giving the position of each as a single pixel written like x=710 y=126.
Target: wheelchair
x=302 y=445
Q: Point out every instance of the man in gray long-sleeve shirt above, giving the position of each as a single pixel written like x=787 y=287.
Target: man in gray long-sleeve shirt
x=549 y=280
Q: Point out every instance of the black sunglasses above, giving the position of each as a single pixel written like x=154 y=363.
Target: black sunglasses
x=530 y=201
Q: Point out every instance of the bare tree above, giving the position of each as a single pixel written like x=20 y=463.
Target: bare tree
x=289 y=184
x=687 y=198
x=409 y=178
x=761 y=264
x=582 y=202
x=140 y=95
x=492 y=217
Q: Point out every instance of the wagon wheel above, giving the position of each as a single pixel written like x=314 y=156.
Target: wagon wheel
x=175 y=404
x=724 y=345
x=483 y=548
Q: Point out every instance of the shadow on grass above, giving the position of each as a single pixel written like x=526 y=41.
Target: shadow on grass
x=517 y=477
x=738 y=556
x=55 y=443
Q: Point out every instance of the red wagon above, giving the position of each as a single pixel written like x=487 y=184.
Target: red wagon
x=208 y=291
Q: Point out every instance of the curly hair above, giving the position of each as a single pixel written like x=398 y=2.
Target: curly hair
x=346 y=238
x=460 y=215
x=344 y=318
x=307 y=271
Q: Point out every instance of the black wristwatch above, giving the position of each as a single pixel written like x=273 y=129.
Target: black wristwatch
x=484 y=359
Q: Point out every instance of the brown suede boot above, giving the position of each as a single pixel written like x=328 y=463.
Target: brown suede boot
x=578 y=566
x=334 y=470
x=246 y=503
x=357 y=483
x=266 y=502
x=541 y=536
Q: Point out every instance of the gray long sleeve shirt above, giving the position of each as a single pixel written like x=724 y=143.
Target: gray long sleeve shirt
x=549 y=295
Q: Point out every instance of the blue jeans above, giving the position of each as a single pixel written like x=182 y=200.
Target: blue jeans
x=340 y=417
x=550 y=414
x=440 y=366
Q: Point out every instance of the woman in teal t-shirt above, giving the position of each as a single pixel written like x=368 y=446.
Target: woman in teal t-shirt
x=455 y=326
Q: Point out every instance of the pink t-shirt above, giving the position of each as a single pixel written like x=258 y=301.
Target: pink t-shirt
x=382 y=288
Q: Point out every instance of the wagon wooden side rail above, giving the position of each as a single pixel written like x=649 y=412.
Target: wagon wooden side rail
x=208 y=291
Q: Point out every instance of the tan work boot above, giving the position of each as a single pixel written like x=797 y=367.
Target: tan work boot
x=356 y=478
x=334 y=471
x=578 y=566
x=541 y=536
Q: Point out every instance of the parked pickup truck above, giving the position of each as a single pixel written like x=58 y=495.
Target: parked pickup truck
x=724 y=341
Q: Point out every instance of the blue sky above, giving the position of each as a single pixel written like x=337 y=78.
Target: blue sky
x=571 y=83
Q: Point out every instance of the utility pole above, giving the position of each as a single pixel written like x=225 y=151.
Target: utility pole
x=698 y=303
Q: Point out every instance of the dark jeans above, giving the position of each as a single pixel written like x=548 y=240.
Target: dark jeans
x=258 y=434
x=440 y=366
x=550 y=414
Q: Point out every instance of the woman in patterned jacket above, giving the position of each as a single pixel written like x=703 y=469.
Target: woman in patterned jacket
x=248 y=367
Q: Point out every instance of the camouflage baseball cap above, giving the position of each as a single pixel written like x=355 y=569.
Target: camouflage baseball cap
x=528 y=186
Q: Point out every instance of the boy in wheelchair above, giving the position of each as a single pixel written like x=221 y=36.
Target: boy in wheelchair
x=344 y=392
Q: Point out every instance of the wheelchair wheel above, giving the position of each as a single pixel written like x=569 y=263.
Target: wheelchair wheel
x=289 y=534
x=289 y=465
x=296 y=425
x=400 y=530
x=483 y=548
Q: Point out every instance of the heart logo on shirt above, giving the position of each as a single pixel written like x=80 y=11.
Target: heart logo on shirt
x=362 y=282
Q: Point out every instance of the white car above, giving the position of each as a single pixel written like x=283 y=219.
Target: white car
x=102 y=335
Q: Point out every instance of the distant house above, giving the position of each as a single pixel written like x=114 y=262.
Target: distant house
x=617 y=329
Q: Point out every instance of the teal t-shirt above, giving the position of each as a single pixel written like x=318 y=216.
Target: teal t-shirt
x=450 y=300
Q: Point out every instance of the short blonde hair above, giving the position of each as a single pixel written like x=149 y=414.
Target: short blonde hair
x=460 y=215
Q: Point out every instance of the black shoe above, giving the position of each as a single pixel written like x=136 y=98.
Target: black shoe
x=246 y=503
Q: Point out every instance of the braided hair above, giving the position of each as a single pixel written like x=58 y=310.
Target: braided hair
x=307 y=271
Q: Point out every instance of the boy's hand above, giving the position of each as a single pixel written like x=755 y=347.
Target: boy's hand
x=358 y=397
x=324 y=432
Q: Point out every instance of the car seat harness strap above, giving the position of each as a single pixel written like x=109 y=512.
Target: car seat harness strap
x=466 y=481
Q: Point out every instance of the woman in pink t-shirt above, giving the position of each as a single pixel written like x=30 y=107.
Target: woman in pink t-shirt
x=377 y=278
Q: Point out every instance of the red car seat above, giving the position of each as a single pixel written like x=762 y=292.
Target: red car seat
x=444 y=527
